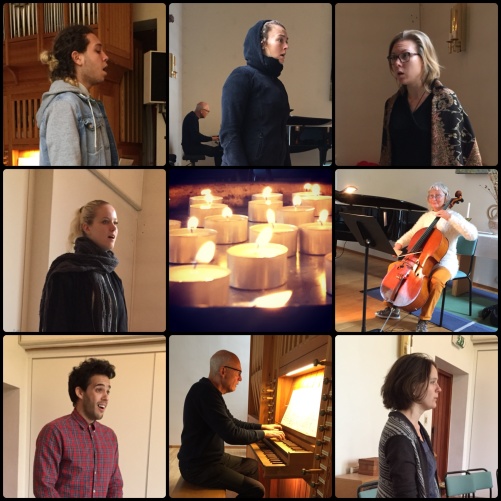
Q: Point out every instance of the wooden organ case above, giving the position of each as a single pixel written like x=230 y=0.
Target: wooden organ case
x=291 y=384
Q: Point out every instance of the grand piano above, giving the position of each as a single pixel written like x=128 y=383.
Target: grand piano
x=308 y=133
x=301 y=465
x=396 y=217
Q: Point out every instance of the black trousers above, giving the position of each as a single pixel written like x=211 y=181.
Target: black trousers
x=232 y=472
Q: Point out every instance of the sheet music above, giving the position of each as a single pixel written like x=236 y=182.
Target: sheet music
x=302 y=412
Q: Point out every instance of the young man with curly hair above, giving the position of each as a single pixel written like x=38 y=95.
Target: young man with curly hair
x=75 y=455
x=74 y=128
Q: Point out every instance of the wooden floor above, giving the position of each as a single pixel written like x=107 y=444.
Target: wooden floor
x=174 y=472
x=349 y=281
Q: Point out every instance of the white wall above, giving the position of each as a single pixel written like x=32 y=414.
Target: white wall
x=361 y=364
x=189 y=358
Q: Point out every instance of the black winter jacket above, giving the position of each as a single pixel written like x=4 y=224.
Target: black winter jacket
x=255 y=109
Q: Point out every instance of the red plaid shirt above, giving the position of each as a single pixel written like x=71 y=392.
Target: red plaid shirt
x=76 y=460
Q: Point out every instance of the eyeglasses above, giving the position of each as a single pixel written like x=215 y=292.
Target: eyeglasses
x=436 y=197
x=404 y=57
x=228 y=367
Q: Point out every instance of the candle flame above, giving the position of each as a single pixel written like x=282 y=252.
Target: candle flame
x=227 y=212
x=267 y=191
x=275 y=300
x=322 y=217
x=265 y=236
x=205 y=191
x=270 y=216
x=206 y=252
x=315 y=189
x=296 y=200
x=192 y=223
x=208 y=198
x=307 y=187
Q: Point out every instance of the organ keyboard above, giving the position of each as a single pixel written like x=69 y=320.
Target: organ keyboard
x=281 y=459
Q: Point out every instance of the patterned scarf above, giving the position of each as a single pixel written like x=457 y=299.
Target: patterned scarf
x=88 y=257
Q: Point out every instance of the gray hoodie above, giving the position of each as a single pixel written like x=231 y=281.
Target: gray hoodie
x=74 y=128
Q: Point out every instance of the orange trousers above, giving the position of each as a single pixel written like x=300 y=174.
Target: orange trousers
x=439 y=277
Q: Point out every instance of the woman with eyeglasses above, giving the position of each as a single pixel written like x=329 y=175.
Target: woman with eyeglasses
x=424 y=122
x=452 y=225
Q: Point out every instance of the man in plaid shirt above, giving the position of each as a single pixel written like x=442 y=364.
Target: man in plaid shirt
x=77 y=457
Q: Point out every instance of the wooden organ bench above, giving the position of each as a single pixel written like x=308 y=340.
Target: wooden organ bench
x=184 y=489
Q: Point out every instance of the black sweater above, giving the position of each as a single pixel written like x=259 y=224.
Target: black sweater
x=207 y=424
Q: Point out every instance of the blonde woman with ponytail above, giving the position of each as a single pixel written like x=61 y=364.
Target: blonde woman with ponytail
x=82 y=292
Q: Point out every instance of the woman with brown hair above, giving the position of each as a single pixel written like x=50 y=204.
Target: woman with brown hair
x=407 y=466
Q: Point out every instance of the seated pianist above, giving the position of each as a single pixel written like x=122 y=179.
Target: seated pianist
x=192 y=138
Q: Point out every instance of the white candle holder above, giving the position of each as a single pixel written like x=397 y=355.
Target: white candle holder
x=255 y=268
x=184 y=243
x=284 y=234
x=201 y=211
x=200 y=199
x=320 y=202
x=230 y=230
x=271 y=196
x=315 y=238
x=174 y=224
x=257 y=209
x=203 y=285
x=296 y=215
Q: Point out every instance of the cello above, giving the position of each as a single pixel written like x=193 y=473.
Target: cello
x=406 y=285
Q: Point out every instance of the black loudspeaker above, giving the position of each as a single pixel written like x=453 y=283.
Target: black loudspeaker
x=155 y=77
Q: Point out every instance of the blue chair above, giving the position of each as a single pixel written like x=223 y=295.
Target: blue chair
x=367 y=490
x=481 y=480
x=464 y=248
x=456 y=485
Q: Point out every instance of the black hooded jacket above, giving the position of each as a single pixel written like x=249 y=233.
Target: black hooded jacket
x=255 y=109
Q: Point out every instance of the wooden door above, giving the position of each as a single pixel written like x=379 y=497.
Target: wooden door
x=440 y=427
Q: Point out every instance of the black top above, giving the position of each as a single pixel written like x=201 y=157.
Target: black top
x=410 y=133
x=207 y=424
x=191 y=134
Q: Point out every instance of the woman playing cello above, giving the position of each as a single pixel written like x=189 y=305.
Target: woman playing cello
x=452 y=225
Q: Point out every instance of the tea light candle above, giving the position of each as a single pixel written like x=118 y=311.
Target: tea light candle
x=284 y=234
x=316 y=238
x=257 y=209
x=199 y=285
x=203 y=285
x=296 y=215
x=319 y=202
x=328 y=272
x=258 y=265
x=174 y=224
x=201 y=211
x=185 y=242
x=231 y=229
x=267 y=195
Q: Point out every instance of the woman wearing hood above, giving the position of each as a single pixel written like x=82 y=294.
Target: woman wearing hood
x=255 y=105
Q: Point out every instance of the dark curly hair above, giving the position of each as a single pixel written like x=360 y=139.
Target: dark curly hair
x=61 y=64
x=80 y=376
x=407 y=381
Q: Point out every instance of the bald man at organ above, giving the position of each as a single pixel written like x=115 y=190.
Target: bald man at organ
x=207 y=424
x=192 y=138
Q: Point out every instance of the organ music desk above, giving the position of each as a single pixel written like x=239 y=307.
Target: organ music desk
x=302 y=404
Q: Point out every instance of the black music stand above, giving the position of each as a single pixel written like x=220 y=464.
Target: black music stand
x=368 y=234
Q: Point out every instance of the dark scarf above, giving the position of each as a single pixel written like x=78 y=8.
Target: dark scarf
x=88 y=257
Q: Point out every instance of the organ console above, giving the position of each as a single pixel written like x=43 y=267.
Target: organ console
x=291 y=384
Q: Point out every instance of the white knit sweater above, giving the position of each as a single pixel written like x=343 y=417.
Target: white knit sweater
x=451 y=229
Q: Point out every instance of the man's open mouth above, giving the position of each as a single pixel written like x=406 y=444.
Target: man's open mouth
x=102 y=406
x=112 y=237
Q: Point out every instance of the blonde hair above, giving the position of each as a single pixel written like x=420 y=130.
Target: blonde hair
x=424 y=47
x=442 y=188
x=86 y=214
